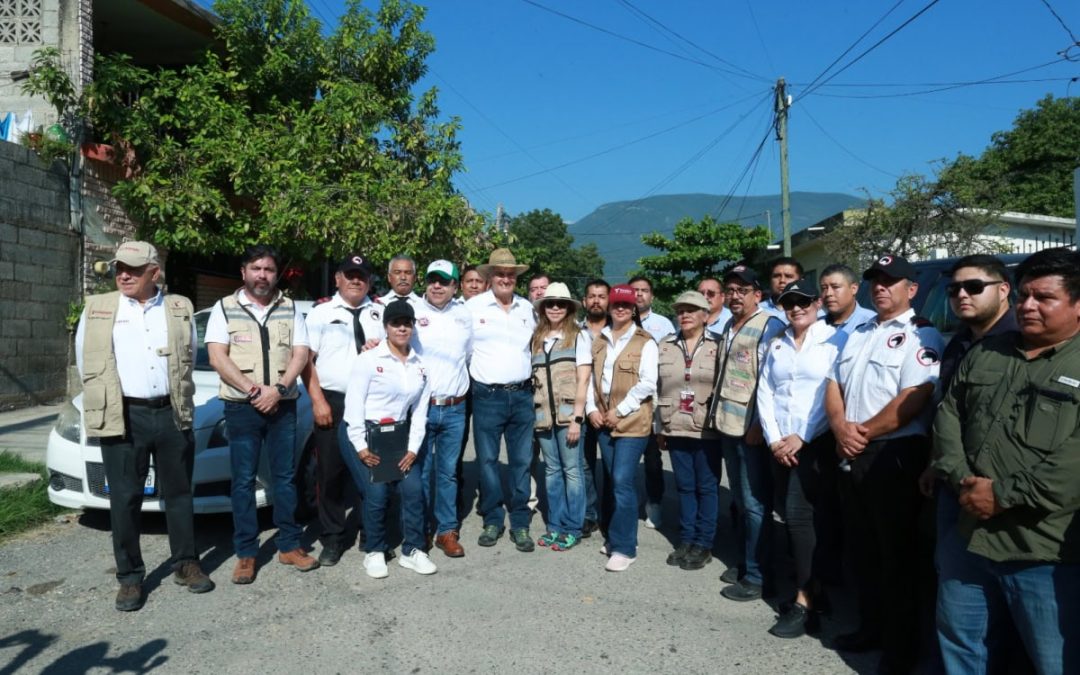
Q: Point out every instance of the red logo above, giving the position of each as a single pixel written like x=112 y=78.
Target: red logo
x=378 y=369
x=423 y=321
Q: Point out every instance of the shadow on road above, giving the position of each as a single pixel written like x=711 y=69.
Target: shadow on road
x=84 y=659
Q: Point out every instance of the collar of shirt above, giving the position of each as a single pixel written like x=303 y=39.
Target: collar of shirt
x=899 y=320
x=818 y=333
x=158 y=299
x=244 y=300
x=488 y=298
x=338 y=301
x=382 y=351
x=445 y=308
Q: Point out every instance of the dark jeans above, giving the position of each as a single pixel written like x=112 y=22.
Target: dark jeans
x=150 y=431
x=249 y=433
x=881 y=506
x=377 y=499
x=503 y=414
x=592 y=477
x=813 y=514
x=654 y=472
x=697 y=466
x=751 y=480
x=331 y=475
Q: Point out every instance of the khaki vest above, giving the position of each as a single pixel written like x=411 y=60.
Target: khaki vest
x=103 y=407
x=261 y=351
x=733 y=404
x=672 y=382
x=624 y=377
x=555 y=384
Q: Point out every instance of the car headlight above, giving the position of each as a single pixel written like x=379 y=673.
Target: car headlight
x=219 y=437
x=68 y=424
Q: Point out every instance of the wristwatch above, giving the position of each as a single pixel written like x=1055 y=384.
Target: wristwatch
x=282 y=390
x=579 y=419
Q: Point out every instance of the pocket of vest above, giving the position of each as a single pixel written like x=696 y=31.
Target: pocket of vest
x=94 y=401
x=284 y=334
x=667 y=410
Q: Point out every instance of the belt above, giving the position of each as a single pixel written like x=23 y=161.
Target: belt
x=159 y=402
x=447 y=400
x=513 y=386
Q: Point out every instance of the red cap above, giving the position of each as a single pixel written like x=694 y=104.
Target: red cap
x=622 y=293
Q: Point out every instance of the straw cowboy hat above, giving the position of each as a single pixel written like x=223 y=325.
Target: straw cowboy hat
x=556 y=291
x=501 y=257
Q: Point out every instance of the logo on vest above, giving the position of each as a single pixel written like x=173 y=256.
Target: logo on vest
x=241 y=338
x=742 y=356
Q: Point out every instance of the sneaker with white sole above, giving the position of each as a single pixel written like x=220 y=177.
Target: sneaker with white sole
x=375 y=565
x=418 y=562
x=619 y=563
x=653 y=515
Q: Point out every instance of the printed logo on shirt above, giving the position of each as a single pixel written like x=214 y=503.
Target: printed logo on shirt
x=927 y=356
x=483 y=321
x=423 y=321
x=375 y=314
x=896 y=340
x=378 y=369
x=778 y=346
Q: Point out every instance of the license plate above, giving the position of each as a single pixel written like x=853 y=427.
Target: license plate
x=149 y=487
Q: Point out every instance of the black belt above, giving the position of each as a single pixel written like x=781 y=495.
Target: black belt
x=159 y=402
x=512 y=386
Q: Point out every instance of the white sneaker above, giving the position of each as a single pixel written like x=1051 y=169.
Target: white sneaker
x=375 y=565
x=653 y=515
x=619 y=563
x=418 y=562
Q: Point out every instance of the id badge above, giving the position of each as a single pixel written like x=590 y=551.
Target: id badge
x=686 y=401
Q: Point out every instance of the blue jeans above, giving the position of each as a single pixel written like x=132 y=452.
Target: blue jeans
x=975 y=595
x=751 y=484
x=377 y=497
x=697 y=468
x=498 y=414
x=249 y=432
x=564 y=481
x=438 y=473
x=588 y=440
x=621 y=457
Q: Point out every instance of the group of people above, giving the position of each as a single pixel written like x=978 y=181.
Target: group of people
x=847 y=421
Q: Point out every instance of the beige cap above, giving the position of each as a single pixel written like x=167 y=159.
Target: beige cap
x=136 y=254
x=692 y=299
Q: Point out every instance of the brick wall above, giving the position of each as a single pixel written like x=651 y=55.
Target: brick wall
x=39 y=276
x=106 y=222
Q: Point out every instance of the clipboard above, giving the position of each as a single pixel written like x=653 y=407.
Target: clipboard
x=389 y=441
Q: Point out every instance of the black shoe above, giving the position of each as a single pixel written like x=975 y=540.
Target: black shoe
x=676 y=557
x=731 y=575
x=490 y=535
x=792 y=623
x=329 y=556
x=522 y=540
x=742 y=591
x=589 y=527
x=129 y=598
x=696 y=558
x=859 y=641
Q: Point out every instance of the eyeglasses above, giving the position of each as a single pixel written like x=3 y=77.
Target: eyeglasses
x=970 y=286
x=738 y=291
x=711 y=294
x=800 y=301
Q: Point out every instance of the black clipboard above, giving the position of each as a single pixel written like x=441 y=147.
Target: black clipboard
x=389 y=442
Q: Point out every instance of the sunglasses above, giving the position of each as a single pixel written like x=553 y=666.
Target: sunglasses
x=711 y=294
x=559 y=304
x=970 y=286
x=791 y=303
x=438 y=281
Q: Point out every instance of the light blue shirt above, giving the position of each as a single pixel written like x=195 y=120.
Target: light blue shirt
x=860 y=316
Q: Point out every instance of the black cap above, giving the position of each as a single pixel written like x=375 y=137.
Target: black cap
x=893 y=265
x=398 y=309
x=744 y=273
x=355 y=261
x=798 y=287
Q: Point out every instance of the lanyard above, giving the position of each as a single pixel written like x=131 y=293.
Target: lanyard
x=688 y=359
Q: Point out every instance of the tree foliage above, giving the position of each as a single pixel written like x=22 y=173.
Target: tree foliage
x=317 y=144
x=919 y=217
x=1028 y=168
x=697 y=250
x=540 y=240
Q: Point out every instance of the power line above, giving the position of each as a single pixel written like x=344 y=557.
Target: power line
x=1072 y=36
x=840 y=145
x=757 y=29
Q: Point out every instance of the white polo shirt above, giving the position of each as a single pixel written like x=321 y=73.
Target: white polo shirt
x=443 y=339
x=648 y=371
x=501 y=350
x=657 y=326
x=382 y=387
x=217 y=327
x=139 y=332
x=330 y=332
x=882 y=359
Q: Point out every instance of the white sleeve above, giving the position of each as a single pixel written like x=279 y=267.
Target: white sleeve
x=418 y=425
x=765 y=408
x=355 y=396
x=590 y=396
x=217 y=327
x=80 y=338
x=583 y=349
x=648 y=370
x=314 y=324
x=299 y=334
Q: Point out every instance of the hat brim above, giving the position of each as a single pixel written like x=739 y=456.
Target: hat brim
x=539 y=304
x=442 y=275
x=692 y=305
x=134 y=262
x=801 y=294
x=486 y=269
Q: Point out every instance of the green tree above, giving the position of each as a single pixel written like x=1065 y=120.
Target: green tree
x=1028 y=168
x=919 y=217
x=697 y=250
x=540 y=240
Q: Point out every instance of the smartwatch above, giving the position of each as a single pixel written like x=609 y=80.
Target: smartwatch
x=579 y=419
x=282 y=390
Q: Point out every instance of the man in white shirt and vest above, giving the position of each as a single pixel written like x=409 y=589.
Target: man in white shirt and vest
x=443 y=339
x=258 y=345
x=501 y=371
x=135 y=350
x=338 y=331
x=401 y=273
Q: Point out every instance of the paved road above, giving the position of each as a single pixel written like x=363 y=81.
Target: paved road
x=25 y=431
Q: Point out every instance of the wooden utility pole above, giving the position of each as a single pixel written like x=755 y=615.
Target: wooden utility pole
x=781 y=108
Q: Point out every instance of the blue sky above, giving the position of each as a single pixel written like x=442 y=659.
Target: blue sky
x=560 y=115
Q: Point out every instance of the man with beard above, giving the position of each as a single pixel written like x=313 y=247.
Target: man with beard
x=596 y=317
x=258 y=345
x=338 y=329
x=838 y=288
x=719 y=314
x=401 y=273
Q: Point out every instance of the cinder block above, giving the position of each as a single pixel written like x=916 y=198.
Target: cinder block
x=8 y=232
x=7 y=270
x=32 y=237
x=27 y=273
x=17 y=328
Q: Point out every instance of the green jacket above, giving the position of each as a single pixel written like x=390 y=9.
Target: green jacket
x=1016 y=422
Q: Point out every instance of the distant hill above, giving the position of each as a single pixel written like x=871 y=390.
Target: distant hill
x=616 y=228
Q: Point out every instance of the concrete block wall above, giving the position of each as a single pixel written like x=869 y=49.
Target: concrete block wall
x=39 y=277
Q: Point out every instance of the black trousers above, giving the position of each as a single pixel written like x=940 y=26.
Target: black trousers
x=654 y=472
x=331 y=476
x=150 y=432
x=881 y=505
x=812 y=513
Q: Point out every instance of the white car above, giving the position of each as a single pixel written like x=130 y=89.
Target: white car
x=77 y=474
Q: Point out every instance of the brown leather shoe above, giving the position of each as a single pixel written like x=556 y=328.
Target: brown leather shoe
x=191 y=575
x=299 y=559
x=129 y=598
x=449 y=544
x=244 y=572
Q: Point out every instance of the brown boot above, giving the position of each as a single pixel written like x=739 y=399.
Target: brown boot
x=299 y=559
x=129 y=598
x=244 y=572
x=449 y=544
x=190 y=574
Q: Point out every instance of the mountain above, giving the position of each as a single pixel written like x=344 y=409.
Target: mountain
x=616 y=228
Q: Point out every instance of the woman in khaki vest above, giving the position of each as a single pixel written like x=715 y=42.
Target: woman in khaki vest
x=558 y=350
x=687 y=378
x=620 y=406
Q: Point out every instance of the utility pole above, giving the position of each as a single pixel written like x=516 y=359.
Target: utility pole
x=781 y=106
